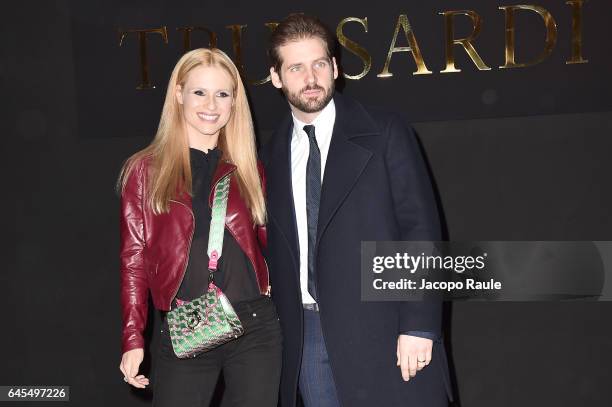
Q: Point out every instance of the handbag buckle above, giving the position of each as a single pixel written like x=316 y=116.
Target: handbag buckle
x=194 y=320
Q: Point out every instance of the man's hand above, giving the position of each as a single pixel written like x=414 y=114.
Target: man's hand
x=413 y=354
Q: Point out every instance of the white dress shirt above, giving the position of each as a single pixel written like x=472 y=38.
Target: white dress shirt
x=300 y=148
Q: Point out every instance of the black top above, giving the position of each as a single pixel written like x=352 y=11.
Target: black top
x=234 y=275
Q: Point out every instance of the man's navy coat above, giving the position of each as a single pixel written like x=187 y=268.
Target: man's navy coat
x=375 y=187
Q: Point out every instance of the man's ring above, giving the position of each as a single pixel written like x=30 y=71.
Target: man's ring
x=421 y=361
x=125 y=379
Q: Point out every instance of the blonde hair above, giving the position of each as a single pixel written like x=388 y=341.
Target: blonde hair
x=170 y=170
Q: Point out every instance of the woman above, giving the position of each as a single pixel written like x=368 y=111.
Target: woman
x=205 y=132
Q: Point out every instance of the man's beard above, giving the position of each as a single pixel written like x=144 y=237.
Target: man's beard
x=310 y=105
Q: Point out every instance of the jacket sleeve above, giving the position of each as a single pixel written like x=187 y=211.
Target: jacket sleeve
x=262 y=234
x=416 y=212
x=134 y=284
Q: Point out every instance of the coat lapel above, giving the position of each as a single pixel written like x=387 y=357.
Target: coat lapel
x=279 y=188
x=345 y=162
x=346 y=159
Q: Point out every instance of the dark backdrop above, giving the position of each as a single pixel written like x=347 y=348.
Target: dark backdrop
x=516 y=154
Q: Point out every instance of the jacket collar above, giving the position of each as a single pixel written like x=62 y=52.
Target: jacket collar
x=223 y=168
x=352 y=120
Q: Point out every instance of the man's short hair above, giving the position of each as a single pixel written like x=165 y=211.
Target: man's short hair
x=295 y=27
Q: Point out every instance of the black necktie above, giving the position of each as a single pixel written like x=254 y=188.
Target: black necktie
x=313 y=197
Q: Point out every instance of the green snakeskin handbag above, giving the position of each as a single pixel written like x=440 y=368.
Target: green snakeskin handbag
x=208 y=321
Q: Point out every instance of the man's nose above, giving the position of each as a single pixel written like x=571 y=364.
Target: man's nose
x=311 y=77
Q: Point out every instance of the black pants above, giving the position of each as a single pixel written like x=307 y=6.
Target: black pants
x=250 y=364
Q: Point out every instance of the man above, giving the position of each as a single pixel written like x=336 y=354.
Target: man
x=339 y=174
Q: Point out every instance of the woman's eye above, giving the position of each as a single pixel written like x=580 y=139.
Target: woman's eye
x=223 y=94
x=199 y=93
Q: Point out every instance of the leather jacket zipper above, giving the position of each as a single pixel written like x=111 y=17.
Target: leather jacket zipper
x=269 y=289
x=188 y=250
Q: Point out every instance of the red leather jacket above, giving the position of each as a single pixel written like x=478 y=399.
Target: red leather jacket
x=155 y=248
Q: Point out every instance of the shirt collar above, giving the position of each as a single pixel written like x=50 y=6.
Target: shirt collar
x=199 y=158
x=325 y=118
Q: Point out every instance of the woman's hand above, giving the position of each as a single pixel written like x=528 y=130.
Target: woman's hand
x=130 y=362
